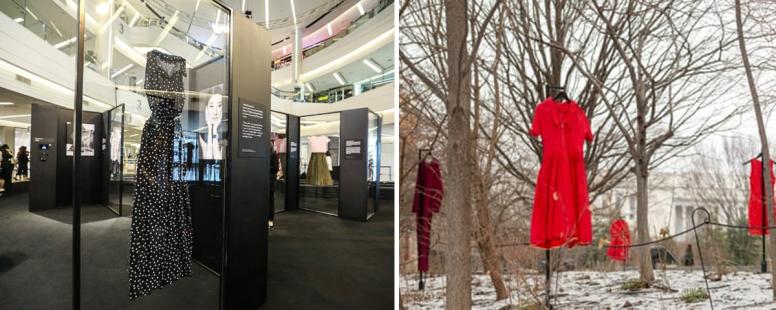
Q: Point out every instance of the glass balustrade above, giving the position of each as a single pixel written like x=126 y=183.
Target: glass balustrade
x=338 y=93
x=286 y=60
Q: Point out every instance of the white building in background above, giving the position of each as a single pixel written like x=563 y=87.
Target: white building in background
x=671 y=202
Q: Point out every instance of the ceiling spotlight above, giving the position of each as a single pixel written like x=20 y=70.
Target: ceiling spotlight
x=339 y=78
x=102 y=8
x=371 y=64
x=361 y=10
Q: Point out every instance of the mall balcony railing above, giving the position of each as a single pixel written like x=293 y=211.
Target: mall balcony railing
x=284 y=61
x=336 y=94
x=18 y=11
x=48 y=31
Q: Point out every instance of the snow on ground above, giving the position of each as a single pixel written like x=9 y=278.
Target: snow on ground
x=602 y=290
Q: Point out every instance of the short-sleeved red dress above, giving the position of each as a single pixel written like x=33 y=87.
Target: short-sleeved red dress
x=561 y=211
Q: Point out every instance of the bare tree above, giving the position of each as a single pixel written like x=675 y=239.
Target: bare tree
x=760 y=127
x=446 y=53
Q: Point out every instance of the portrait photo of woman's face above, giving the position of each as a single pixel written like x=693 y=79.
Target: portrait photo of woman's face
x=214 y=110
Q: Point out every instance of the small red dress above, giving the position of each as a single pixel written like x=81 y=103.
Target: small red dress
x=561 y=211
x=756 y=198
x=620 y=236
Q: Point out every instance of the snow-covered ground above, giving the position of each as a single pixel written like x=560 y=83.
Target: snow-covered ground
x=602 y=290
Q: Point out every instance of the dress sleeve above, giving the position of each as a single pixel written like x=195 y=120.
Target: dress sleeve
x=586 y=124
x=536 y=124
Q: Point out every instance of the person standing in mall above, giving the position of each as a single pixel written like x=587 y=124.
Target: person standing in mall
x=274 y=167
x=22 y=159
x=6 y=167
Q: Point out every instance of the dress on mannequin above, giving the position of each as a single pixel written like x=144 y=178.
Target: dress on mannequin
x=318 y=170
x=161 y=233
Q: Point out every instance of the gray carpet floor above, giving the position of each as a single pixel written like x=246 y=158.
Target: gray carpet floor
x=315 y=262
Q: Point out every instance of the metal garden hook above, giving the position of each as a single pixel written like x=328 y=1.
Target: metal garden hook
x=698 y=246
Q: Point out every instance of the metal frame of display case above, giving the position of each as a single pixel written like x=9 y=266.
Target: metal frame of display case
x=121 y=159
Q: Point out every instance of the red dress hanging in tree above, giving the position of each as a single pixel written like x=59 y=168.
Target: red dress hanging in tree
x=756 y=197
x=620 y=236
x=429 y=192
x=561 y=211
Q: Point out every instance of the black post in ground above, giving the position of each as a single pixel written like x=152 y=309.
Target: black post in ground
x=547 y=279
x=764 y=204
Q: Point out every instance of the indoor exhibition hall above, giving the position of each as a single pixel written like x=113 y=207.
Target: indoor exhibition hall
x=197 y=154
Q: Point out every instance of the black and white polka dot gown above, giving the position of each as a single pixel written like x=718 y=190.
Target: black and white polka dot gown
x=161 y=233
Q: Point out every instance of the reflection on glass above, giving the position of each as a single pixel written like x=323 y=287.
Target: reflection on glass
x=280 y=147
x=373 y=163
x=319 y=163
x=115 y=132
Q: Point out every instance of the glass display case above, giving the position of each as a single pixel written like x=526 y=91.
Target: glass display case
x=166 y=67
x=319 y=153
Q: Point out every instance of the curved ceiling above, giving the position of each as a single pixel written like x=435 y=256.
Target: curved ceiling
x=281 y=22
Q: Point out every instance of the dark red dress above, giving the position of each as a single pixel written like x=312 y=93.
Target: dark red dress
x=756 y=198
x=561 y=211
x=620 y=236
x=428 y=200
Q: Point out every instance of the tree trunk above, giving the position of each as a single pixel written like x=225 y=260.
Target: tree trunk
x=642 y=222
x=490 y=255
x=763 y=137
x=458 y=189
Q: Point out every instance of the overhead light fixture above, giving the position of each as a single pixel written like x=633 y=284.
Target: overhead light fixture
x=6 y=103
x=310 y=87
x=243 y=6
x=112 y=18
x=134 y=20
x=220 y=28
x=266 y=14
x=18 y=19
x=293 y=11
x=102 y=8
x=361 y=10
x=371 y=64
x=31 y=13
x=140 y=81
x=121 y=71
x=53 y=25
x=15 y=116
x=339 y=78
x=328 y=28
x=167 y=28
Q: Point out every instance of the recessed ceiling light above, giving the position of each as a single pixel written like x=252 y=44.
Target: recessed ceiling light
x=371 y=64
x=18 y=19
x=15 y=116
x=339 y=78
x=361 y=10
x=6 y=103
x=102 y=8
